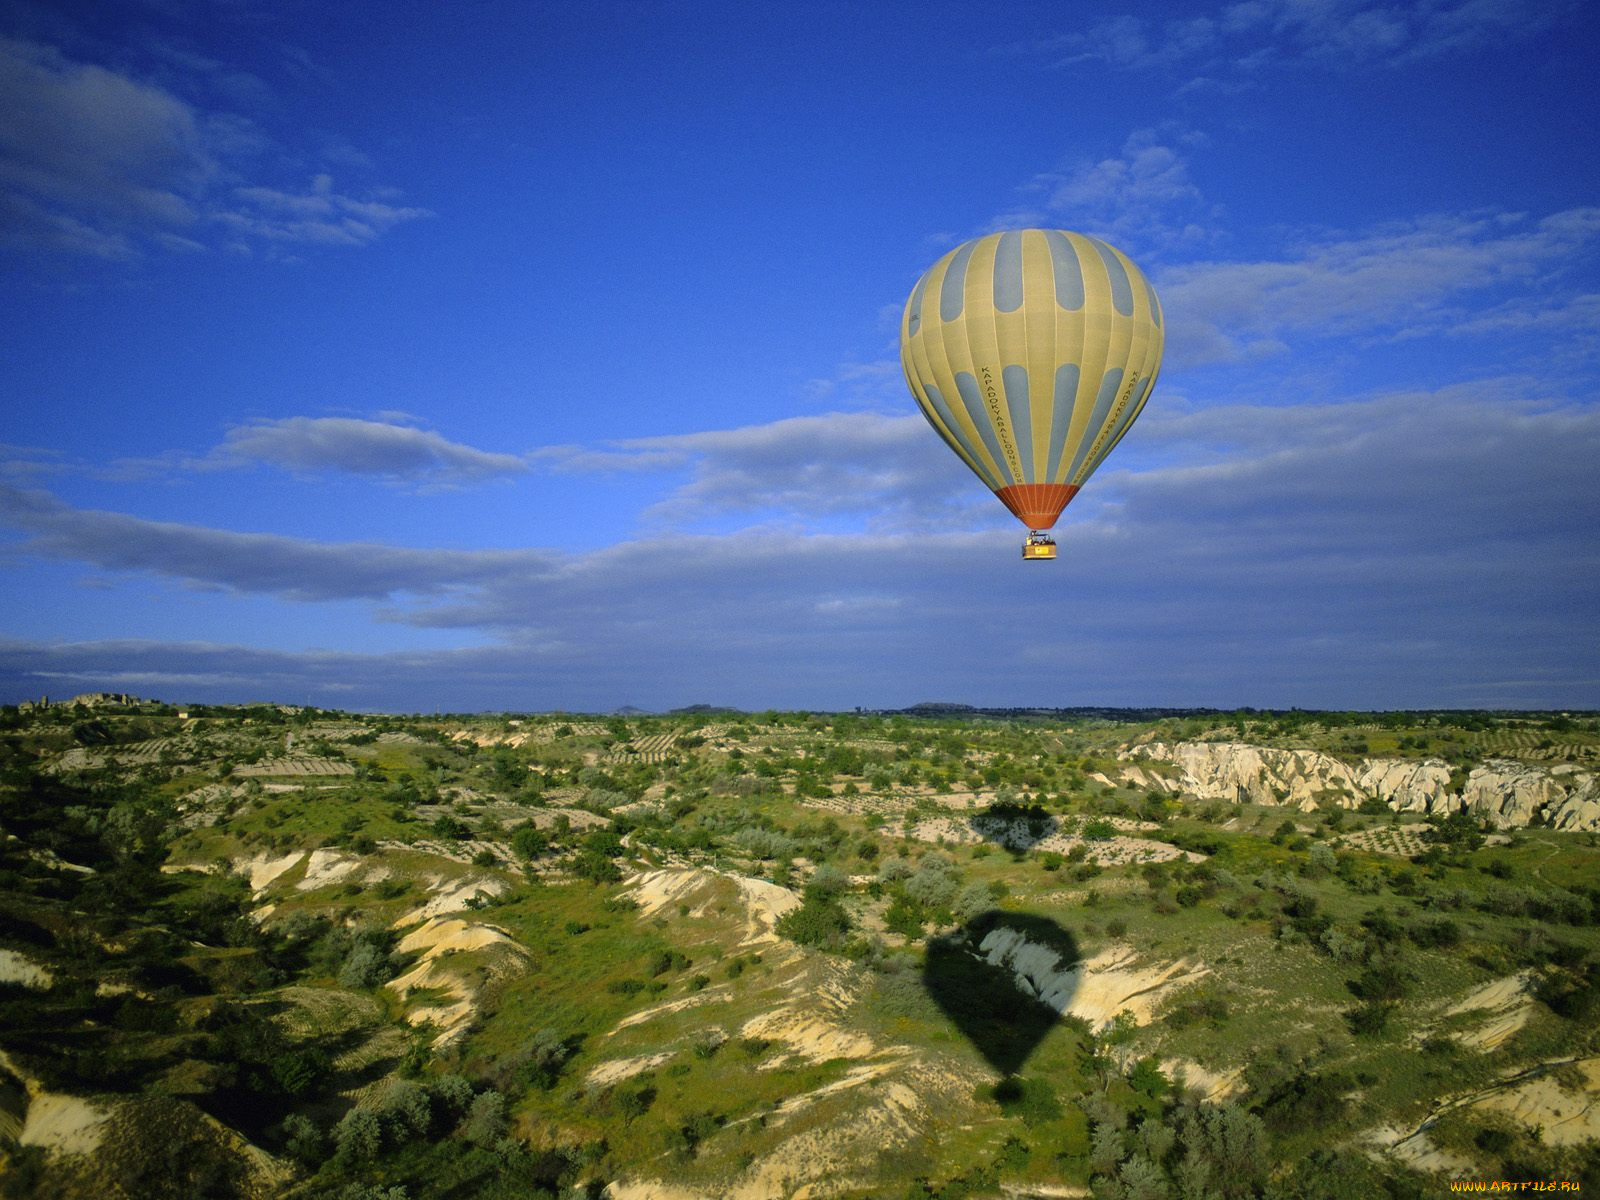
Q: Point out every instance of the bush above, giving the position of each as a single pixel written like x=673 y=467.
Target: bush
x=905 y=918
x=366 y=966
x=934 y=882
x=486 y=1122
x=528 y=842
x=359 y=1136
x=970 y=901
x=819 y=922
x=595 y=867
x=826 y=882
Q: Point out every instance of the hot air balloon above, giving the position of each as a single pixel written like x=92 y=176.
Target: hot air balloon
x=1030 y=353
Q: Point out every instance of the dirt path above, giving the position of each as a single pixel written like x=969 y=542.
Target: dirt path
x=1516 y=1083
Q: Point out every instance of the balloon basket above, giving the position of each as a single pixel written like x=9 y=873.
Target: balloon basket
x=1038 y=546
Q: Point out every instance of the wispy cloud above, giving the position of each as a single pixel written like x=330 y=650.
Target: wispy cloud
x=1250 y=34
x=888 y=471
x=101 y=163
x=392 y=452
x=318 y=215
x=1397 y=281
x=1418 y=548
x=1143 y=199
x=252 y=563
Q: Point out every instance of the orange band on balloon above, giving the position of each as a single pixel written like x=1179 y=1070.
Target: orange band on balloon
x=1037 y=505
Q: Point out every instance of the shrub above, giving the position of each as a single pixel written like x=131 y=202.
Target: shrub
x=970 y=901
x=595 y=867
x=365 y=966
x=934 y=882
x=359 y=1136
x=632 y=1103
x=818 y=922
x=486 y=1122
x=826 y=882
x=528 y=842
x=905 y=918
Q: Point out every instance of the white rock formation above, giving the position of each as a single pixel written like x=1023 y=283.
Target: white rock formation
x=1504 y=792
x=1407 y=785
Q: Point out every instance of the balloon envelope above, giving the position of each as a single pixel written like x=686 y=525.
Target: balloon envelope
x=1030 y=353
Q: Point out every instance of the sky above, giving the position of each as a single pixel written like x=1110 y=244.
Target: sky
x=531 y=356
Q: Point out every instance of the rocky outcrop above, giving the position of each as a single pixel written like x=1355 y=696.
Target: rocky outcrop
x=1504 y=792
x=1507 y=793
x=1243 y=774
x=1407 y=785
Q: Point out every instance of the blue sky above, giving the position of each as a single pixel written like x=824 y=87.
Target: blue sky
x=524 y=356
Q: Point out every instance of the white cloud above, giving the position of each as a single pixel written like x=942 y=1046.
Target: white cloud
x=1143 y=200
x=397 y=453
x=318 y=215
x=100 y=163
x=891 y=472
x=1250 y=35
x=1420 y=548
x=1393 y=281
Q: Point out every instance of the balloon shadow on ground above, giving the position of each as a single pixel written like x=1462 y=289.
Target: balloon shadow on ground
x=985 y=1000
x=1014 y=827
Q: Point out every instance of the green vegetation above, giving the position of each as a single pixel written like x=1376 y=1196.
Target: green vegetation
x=527 y=955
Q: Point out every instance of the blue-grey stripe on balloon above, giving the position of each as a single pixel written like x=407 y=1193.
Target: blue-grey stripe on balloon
x=1102 y=406
x=1015 y=379
x=967 y=384
x=1155 y=305
x=952 y=295
x=942 y=407
x=1008 y=273
x=1128 y=414
x=914 y=321
x=1066 y=397
x=1068 y=270
x=1121 y=290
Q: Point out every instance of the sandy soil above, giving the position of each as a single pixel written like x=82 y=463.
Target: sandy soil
x=327 y=867
x=807 y=1034
x=1567 y=1118
x=1215 y=1086
x=614 y=1072
x=17 y=968
x=263 y=868
x=764 y=901
x=1417 y=1151
x=1098 y=988
x=652 y=1189
x=719 y=995
x=1506 y=1005
x=451 y=895
x=437 y=941
x=64 y=1124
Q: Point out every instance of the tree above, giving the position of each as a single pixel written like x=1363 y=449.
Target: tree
x=528 y=841
x=486 y=1122
x=819 y=922
x=359 y=1136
